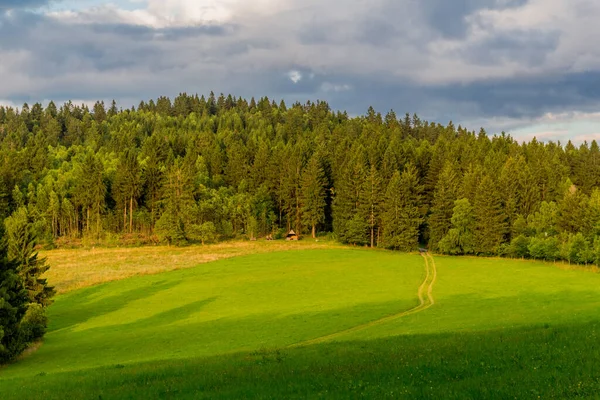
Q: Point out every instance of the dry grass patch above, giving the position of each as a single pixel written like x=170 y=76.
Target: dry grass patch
x=73 y=269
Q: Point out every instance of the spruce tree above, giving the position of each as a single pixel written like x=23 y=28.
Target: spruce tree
x=402 y=215
x=128 y=184
x=13 y=306
x=178 y=204
x=460 y=238
x=22 y=239
x=90 y=191
x=572 y=211
x=371 y=200
x=313 y=194
x=348 y=222
x=445 y=194
x=490 y=218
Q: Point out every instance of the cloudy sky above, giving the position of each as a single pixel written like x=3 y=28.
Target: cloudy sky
x=529 y=67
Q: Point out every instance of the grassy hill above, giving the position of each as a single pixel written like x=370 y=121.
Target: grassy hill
x=228 y=329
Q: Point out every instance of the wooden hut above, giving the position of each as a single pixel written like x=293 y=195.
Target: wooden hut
x=292 y=236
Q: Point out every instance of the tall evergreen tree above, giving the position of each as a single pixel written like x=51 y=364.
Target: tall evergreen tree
x=313 y=194
x=371 y=201
x=402 y=215
x=22 y=239
x=128 y=184
x=13 y=305
x=490 y=218
x=445 y=194
x=178 y=203
x=460 y=239
x=90 y=191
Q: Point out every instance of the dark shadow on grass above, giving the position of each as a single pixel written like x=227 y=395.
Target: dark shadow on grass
x=545 y=361
x=164 y=318
x=62 y=318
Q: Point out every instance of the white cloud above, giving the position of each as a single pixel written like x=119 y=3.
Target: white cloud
x=295 y=76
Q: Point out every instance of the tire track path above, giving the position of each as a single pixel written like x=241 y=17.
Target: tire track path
x=426 y=300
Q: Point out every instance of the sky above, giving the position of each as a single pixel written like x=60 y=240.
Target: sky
x=527 y=67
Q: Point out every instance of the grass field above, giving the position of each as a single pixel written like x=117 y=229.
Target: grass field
x=323 y=322
x=80 y=268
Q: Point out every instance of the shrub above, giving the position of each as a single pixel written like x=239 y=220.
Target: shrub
x=34 y=323
x=519 y=247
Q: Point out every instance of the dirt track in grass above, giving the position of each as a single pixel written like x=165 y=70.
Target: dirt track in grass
x=426 y=300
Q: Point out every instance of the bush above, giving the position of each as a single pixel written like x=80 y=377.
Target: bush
x=34 y=324
x=519 y=247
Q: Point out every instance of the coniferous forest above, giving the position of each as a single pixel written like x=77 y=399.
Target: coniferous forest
x=205 y=169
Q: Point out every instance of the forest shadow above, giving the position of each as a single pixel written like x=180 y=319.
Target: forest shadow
x=549 y=361
x=88 y=308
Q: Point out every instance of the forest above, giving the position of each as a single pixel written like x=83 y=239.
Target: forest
x=199 y=169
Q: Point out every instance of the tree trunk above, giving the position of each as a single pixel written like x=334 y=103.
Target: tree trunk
x=314 y=231
x=152 y=215
x=131 y=215
x=98 y=222
x=124 y=218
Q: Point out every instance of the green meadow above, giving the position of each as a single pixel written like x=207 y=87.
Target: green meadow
x=323 y=323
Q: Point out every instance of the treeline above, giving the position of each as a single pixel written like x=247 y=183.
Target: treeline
x=199 y=169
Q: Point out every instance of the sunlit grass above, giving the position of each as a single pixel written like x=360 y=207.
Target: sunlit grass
x=73 y=269
x=498 y=329
x=241 y=304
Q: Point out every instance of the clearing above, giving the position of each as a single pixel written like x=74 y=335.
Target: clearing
x=328 y=322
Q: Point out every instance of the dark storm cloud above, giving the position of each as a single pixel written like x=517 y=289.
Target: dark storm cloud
x=518 y=99
x=412 y=56
x=528 y=48
x=448 y=17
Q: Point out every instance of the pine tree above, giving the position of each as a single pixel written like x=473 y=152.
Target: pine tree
x=402 y=215
x=313 y=194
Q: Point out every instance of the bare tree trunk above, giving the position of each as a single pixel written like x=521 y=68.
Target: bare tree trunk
x=314 y=231
x=98 y=222
x=131 y=215
x=152 y=215
x=124 y=218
